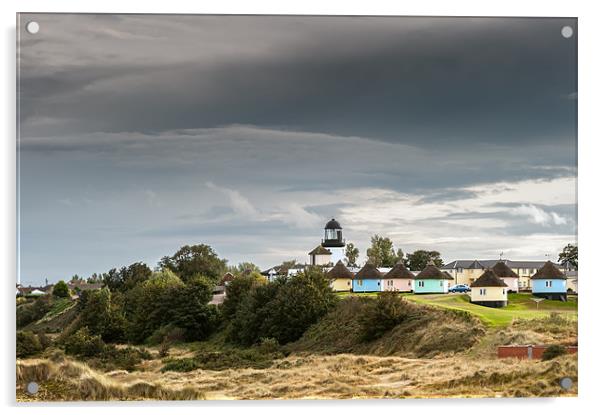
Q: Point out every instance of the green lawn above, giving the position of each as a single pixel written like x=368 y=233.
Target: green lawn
x=519 y=306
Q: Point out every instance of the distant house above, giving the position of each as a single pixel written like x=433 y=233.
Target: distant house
x=431 y=281
x=340 y=277
x=489 y=290
x=226 y=279
x=549 y=282
x=507 y=275
x=399 y=278
x=367 y=279
x=37 y=293
x=320 y=256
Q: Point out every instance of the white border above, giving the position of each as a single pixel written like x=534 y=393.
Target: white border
x=590 y=68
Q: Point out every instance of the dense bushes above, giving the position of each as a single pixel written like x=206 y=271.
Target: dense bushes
x=28 y=313
x=83 y=344
x=165 y=300
x=236 y=290
x=382 y=314
x=281 y=310
x=28 y=344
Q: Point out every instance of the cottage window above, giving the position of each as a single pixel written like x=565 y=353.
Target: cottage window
x=483 y=291
x=421 y=283
x=504 y=291
x=549 y=284
x=440 y=283
x=359 y=282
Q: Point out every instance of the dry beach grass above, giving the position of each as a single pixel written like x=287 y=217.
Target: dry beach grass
x=341 y=376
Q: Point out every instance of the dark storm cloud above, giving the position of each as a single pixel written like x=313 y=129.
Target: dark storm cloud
x=444 y=82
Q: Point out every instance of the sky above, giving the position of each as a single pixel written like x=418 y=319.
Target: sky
x=142 y=133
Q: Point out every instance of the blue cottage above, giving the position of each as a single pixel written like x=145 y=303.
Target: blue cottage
x=367 y=279
x=549 y=282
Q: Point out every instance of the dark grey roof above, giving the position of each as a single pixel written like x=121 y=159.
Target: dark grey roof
x=399 y=271
x=489 y=279
x=503 y=271
x=548 y=272
x=333 y=224
x=431 y=272
x=368 y=272
x=339 y=271
x=490 y=263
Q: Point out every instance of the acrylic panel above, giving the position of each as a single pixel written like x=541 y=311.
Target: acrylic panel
x=295 y=207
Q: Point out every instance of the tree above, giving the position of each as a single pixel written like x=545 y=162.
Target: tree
x=126 y=278
x=194 y=260
x=351 y=254
x=243 y=268
x=102 y=314
x=61 y=289
x=381 y=252
x=419 y=259
x=76 y=278
x=94 y=278
x=569 y=256
x=237 y=291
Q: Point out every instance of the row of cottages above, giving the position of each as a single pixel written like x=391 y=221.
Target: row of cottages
x=492 y=287
x=467 y=271
x=369 y=278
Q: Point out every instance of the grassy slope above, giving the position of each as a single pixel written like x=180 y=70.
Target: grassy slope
x=520 y=306
x=62 y=313
x=428 y=331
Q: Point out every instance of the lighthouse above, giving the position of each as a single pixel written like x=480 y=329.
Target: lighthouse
x=332 y=248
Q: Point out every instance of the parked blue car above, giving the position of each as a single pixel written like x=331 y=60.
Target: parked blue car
x=459 y=288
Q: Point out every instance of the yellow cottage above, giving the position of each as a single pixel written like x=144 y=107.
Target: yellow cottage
x=340 y=277
x=489 y=290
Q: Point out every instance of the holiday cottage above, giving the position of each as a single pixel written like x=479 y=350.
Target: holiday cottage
x=367 y=279
x=549 y=282
x=431 y=281
x=340 y=277
x=507 y=275
x=399 y=278
x=489 y=290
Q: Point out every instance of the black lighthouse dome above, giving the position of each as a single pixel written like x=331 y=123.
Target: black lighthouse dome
x=332 y=224
x=333 y=234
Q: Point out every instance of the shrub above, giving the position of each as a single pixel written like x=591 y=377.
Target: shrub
x=180 y=365
x=28 y=344
x=61 y=289
x=45 y=341
x=268 y=345
x=126 y=358
x=553 y=351
x=382 y=314
x=168 y=333
x=83 y=344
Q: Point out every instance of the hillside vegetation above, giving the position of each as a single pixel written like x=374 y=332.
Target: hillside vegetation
x=424 y=332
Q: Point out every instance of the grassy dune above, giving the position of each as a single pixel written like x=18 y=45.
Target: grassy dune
x=520 y=306
x=68 y=380
x=341 y=376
